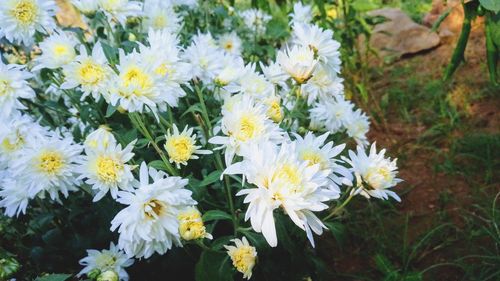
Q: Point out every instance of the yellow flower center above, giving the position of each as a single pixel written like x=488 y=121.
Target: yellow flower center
x=228 y=46
x=4 y=88
x=25 y=12
x=90 y=73
x=159 y=22
x=243 y=258
x=11 y=146
x=153 y=209
x=136 y=78
x=179 y=148
x=377 y=176
x=163 y=69
x=312 y=158
x=274 y=112
x=108 y=169
x=289 y=173
x=249 y=128
x=60 y=50
x=50 y=162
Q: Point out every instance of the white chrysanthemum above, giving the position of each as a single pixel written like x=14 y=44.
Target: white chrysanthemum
x=252 y=84
x=275 y=74
x=273 y=108
x=160 y=15
x=57 y=51
x=191 y=225
x=90 y=72
x=255 y=20
x=17 y=132
x=20 y=19
x=104 y=260
x=323 y=84
x=313 y=149
x=233 y=69
x=374 y=173
x=100 y=138
x=149 y=223
x=181 y=146
x=13 y=85
x=332 y=113
x=87 y=7
x=357 y=126
x=298 y=62
x=321 y=42
x=188 y=3
x=165 y=54
x=243 y=256
x=301 y=13
x=106 y=169
x=230 y=43
x=245 y=123
x=14 y=196
x=48 y=166
x=282 y=181
x=121 y=9
x=204 y=58
x=137 y=85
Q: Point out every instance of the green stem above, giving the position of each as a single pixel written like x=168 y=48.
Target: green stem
x=339 y=208
x=491 y=50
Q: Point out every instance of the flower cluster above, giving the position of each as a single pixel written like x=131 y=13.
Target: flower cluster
x=97 y=113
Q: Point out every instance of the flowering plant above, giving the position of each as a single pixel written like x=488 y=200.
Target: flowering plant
x=158 y=125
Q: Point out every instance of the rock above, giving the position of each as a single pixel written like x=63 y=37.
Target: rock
x=400 y=35
x=453 y=21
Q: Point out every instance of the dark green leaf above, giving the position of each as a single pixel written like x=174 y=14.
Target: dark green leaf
x=338 y=231
x=213 y=266
x=492 y=5
x=110 y=110
x=211 y=178
x=216 y=215
x=383 y=264
x=158 y=164
x=54 y=277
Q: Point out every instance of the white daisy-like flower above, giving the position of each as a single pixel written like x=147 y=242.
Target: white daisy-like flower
x=48 y=166
x=282 y=181
x=252 y=84
x=99 y=139
x=104 y=260
x=160 y=15
x=106 y=169
x=243 y=256
x=275 y=74
x=14 y=196
x=321 y=42
x=188 y=3
x=230 y=43
x=204 y=58
x=233 y=69
x=332 y=113
x=119 y=10
x=57 y=51
x=323 y=84
x=245 y=123
x=298 y=62
x=20 y=19
x=90 y=72
x=87 y=7
x=137 y=85
x=374 y=173
x=191 y=225
x=181 y=146
x=273 y=108
x=149 y=223
x=313 y=149
x=301 y=13
x=13 y=85
x=255 y=20
x=357 y=126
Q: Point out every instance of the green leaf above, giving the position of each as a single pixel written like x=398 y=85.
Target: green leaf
x=110 y=53
x=220 y=242
x=364 y=5
x=384 y=265
x=338 y=231
x=492 y=5
x=54 y=277
x=413 y=276
x=213 y=266
x=211 y=178
x=213 y=215
x=110 y=110
x=158 y=164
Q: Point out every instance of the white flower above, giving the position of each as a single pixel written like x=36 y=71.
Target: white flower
x=121 y=9
x=357 y=126
x=191 y=224
x=87 y=7
x=14 y=196
x=48 y=166
x=332 y=113
x=90 y=72
x=57 y=51
x=204 y=57
x=230 y=43
x=321 y=42
x=374 y=173
x=104 y=260
x=298 y=62
x=99 y=139
x=233 y=69
x=301 y=13
x=13 y=85
x=160 y=15
x=138 y=85
x=323 y=84
x=255 y=20
x=181 y=146
x=106 y=169
x=275 y=74
x=243 y=256
x=282 y=180
x=149 y=223
x=251 y=83
x=245 y=123
x=20 y=19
